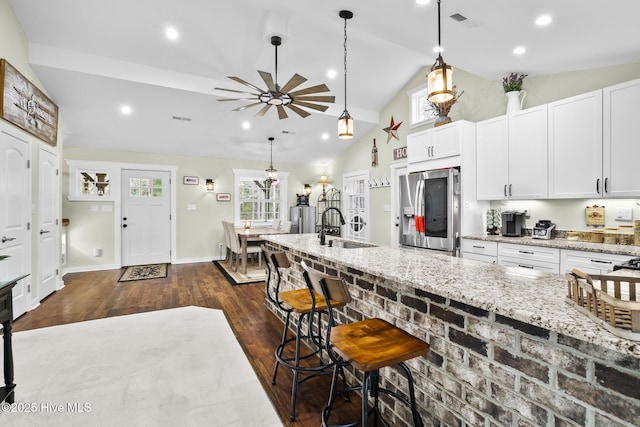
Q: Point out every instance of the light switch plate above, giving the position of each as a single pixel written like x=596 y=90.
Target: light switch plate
x=191 y=207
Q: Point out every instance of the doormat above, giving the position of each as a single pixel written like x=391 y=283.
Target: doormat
x=143 y=272
x=254 y=274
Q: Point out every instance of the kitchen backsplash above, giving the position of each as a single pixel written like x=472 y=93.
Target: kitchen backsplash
x=569 y=214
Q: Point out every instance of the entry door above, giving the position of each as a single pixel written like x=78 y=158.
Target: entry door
x=146 y=217
x=15 y=214
x=48 y=212
x=356 y=205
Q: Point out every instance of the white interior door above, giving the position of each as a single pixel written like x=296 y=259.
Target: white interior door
x=356 y=205
x=48 y=229
x=15 y=214
x=146 y=217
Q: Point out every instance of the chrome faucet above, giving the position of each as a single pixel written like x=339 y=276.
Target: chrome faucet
x=322 y=232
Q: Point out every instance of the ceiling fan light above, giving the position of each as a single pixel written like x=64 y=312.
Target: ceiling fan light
x=345 y=126
x=440 y=82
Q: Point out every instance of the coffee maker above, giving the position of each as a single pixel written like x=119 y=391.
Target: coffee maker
x=512 y=223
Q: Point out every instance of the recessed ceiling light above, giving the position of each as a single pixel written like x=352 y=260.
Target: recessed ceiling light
x=519 y=50
x=246 y=125
x=543 y=20
x=325 y=136
x=422 y=2
x=171 y=33
x=332 y=73
x=126 y=110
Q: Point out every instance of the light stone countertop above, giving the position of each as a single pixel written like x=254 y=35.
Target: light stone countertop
x=632 y=251
x=532 y=297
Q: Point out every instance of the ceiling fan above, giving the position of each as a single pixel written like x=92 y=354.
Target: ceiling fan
x=281 y=97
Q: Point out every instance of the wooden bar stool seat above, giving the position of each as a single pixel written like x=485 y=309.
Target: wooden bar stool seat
x=367 y=345
x=307 y=305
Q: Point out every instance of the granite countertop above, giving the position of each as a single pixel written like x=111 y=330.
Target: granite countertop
x=532 y=297
x=632 y=251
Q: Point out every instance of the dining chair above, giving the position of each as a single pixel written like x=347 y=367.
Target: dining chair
x=236 y=248
x=276 y=224
x=286 y=226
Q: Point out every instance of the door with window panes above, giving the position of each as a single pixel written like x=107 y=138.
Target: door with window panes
x=146 y=217
x=259 y=200
x=356 y=205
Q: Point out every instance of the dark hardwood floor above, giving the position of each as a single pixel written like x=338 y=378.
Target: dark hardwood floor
x=96 y=295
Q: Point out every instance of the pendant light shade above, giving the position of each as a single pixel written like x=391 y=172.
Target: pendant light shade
x=440 y=78
x=272 y=173
x=345 y=121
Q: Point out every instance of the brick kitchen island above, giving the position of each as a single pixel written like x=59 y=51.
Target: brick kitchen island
x=507 y=346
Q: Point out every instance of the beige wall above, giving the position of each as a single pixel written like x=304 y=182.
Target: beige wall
x=482 y=99
x=199 y=232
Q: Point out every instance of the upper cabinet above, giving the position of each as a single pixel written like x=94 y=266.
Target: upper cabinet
x=437 y=147
x=575 y=147
x=621 y=139
x=594 y=144
x=512 y=156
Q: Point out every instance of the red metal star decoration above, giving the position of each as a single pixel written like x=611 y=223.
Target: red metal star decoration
x=392 y=130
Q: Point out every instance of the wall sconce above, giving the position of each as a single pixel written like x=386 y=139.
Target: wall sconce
x=324 y=181
x=307 y=189
x=210 y=185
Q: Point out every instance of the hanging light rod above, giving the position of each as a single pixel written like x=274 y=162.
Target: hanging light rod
x=440 y=78
x=272 y=173
x=345 y=121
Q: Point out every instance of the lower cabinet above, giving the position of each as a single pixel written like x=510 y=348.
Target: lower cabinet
x=531 y=257
x=589 y=262
x=480 y=250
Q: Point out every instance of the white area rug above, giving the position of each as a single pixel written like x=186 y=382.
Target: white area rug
x=177 y=367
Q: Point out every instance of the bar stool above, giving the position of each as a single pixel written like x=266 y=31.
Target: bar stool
x=307 y=305
x=367 y=345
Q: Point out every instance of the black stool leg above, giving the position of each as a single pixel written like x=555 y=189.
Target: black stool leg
x=280 y=348
x=294 y=391
x=417 y=420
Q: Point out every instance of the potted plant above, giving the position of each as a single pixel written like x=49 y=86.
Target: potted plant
x=512 y=85
x=442 y=109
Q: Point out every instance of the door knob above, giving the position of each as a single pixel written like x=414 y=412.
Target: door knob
x=124 y=225
x=44 y=231
x=7 y=239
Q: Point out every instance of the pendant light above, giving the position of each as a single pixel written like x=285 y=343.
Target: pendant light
x=440 y=78
x=272 y=174
x=345 y=122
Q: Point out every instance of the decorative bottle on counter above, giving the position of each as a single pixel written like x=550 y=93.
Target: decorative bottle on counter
x=374 y=154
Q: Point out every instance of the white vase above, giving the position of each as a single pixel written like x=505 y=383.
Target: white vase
x=515 y=100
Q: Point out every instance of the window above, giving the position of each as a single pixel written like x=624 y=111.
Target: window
x=145 y=187
x=256 y=201
x=421 y=112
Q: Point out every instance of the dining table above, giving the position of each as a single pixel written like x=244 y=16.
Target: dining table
x=252 y=235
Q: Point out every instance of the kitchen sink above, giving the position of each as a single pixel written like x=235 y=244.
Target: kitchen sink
x=349 y=244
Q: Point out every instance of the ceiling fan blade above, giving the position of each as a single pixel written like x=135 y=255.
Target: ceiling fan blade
x=281 y=113
x=310 y=105
x=293 y=82
x=299 y=110
x=236 y=91
x=263 y=110
x=236 y=99
x=246 y=106
x=268 y=79
x=317 y=98
x=312 y=89
x=239 y=80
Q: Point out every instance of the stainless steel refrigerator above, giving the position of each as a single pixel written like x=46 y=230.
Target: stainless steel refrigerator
x=303 y=219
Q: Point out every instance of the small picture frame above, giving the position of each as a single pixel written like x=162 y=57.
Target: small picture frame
x=223 y=197
x=190 y=180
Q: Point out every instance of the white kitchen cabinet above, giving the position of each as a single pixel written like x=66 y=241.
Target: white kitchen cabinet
x=575 y=147
x=621 y=133
x=589 y=262
x=512 y=156
x=438 y=147
x=531 y=257
x=480 y=250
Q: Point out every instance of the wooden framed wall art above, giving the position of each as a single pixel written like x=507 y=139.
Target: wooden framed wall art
x=24 y=105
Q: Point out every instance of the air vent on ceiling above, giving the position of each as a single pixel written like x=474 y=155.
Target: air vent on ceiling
x=458 y=17
x=288 y=132
x=184 y=119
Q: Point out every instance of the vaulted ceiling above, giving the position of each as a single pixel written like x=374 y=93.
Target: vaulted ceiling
x=94 y=56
